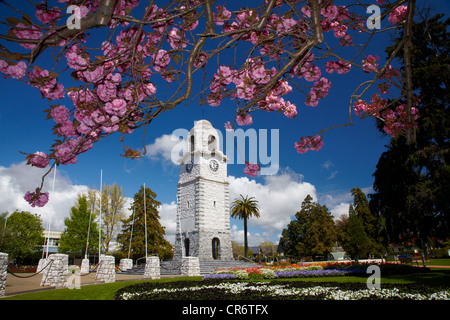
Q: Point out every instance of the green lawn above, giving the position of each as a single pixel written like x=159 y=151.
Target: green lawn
x=106 y=291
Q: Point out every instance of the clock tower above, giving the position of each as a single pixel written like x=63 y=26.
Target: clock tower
x=203 y=214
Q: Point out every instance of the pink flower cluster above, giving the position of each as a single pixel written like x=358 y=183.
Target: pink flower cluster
x=46 y=14
x=39 y=159
x=21 y=31
x=395 y=122
x=252 y=169
x=244 y=120
x=370 y=64
x=309 y=143
x=36 y=198
x=320 y=90
x=14 y=70
x=47 y=84
x=339 y=66
x=398 y=15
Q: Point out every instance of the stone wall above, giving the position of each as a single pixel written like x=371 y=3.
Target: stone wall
x=55 y=274
x=125 y=264
x=152 y=268
x=84 y=266
x=190 y=266
x=3 y=272
x=42 y=263
x=106 y=270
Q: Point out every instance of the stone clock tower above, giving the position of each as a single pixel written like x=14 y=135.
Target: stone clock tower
x=203 y=215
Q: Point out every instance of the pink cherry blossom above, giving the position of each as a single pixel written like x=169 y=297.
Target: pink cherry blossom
x=161 y=60
x=24 y=32
x=116 y=107
x=17 y=71
x=340 y=67
x=290 y=110
x=309 y=143
x=46 y=14
x=36 y=199
x=251 y=169
x=176 y=39
x=370 y=64
x=244 y=120
x=60 y=114
x=67 y=130
x=222 y=16
x=40 y=159
x=228 y=126
x=398 y=15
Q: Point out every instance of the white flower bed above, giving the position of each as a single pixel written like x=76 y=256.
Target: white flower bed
x=330 y=293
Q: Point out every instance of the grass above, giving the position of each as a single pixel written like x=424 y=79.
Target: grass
x=106 y=291
x=89 y=292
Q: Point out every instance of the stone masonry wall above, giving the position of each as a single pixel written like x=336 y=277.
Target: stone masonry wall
x=3 y=272
x=106 y=270
x=55 y=274
x=190 y=266
x=152 y=268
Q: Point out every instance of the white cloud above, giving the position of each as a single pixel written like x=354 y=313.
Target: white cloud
x=168 y=147
x=279 y=197
x=168 y=219
x=333 y=174
x=17 y=179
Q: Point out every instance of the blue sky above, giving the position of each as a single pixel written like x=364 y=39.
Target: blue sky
x=347 y=159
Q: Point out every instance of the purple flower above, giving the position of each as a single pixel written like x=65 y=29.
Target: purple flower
x=223 y=276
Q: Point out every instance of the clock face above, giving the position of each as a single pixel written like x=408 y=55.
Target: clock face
x=189 y=167
x=213 y=165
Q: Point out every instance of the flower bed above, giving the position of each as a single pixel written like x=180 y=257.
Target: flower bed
x=318 y=269
x=297 y=290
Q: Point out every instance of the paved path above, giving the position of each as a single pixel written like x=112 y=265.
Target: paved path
x=15 y=285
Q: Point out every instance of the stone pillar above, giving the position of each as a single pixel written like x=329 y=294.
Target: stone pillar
x=190 y=266
x=106 y=270
x=3 y=272
x=42 y=263
x=84 y=266
x=152 y=268
x=55 y=274
x=125 y=264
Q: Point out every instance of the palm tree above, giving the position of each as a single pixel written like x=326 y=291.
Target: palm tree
x=244 y=208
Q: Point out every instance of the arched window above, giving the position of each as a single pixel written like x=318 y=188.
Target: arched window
x=186 y=247
x=192 y=143
x=212 y=143
x=216 y=248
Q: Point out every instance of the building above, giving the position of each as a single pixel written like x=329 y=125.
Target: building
x=52 y=239
x=203 y=213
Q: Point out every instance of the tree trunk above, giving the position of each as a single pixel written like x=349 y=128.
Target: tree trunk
x=245 y=238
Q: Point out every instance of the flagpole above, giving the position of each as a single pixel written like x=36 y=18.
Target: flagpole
x=50 y=219
x=100 y=222
x=145 y=221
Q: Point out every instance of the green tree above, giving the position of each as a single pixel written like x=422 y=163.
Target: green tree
x=412 y=180
x=26 y=235
x=5 y=232
x=74 y=237
x=359 y=243
x=134 y=228
x=112 y=203
x=311 y=233
x=245 y=208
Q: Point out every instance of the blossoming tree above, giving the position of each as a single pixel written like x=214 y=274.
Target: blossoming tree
x=152 y=56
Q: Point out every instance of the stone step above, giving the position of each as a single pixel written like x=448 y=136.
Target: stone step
x=206 y=267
